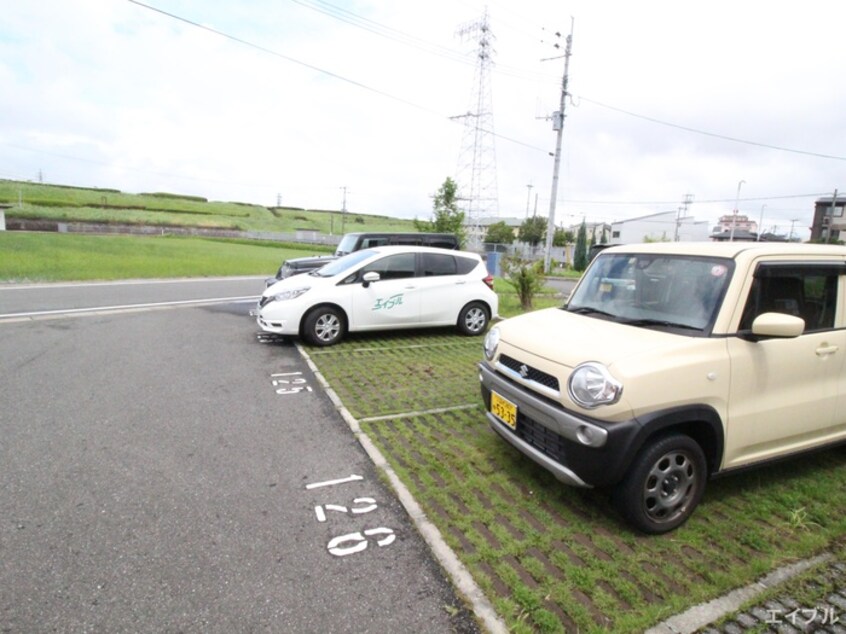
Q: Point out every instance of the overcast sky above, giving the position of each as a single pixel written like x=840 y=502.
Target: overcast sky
x=292 y=100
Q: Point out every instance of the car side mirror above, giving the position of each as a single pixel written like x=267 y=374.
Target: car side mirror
x=776 y=326
x=369 y=278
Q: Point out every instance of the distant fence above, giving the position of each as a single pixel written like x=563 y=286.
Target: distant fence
x=525 y=251
x=522 y=250
x=308 y=237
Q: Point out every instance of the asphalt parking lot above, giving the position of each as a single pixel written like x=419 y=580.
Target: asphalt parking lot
x=168 y=470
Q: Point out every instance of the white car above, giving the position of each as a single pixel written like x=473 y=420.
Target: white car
x=382 y=288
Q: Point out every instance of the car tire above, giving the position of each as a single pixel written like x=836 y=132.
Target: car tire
x=324 y=326
x=663 y=485
x=473 y=319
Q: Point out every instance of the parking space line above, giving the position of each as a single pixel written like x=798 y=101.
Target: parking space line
x=416 y=346
x=72 y=312
x=438 y=410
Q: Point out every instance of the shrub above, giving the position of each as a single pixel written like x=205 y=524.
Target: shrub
x=526 y=277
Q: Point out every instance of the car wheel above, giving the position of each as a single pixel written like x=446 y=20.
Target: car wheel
x=473 y=319
x=324 y=326
x=663 y=485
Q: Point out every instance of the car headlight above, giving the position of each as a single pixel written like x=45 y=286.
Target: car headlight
x=491 y=342
x=591 y=385
x=289 y=294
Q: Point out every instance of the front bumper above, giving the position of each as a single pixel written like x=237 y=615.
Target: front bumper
x=557 y=440
x=278 y=327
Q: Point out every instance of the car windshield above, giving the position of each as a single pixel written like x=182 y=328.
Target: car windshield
x=343 y=264
x=347 y=244
x=664 y=291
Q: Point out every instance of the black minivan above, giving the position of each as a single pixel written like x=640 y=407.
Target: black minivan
x=357 y=241
x=296 y=266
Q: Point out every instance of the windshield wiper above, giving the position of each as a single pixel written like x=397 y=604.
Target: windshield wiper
x=659 y=322
x=589 y=310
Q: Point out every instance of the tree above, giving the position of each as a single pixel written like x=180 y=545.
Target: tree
x=562 y=237
x=448 y=218
x=533 y=230
x=499 y=233
x=580 y=259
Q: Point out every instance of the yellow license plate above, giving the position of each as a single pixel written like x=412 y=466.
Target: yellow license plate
x=504 y=410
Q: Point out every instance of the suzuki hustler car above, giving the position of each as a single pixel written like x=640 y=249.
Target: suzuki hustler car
x=673 y=362
x=382 y=288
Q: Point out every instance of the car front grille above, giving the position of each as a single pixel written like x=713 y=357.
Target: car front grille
x=529 y=373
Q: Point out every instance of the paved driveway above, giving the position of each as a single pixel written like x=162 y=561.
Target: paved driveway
x=164 y=470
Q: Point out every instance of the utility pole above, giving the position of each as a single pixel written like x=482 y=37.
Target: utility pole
x=528 y=198
x=734 y=215
x=761 y=224
x=558 y=125
x=830 y=217
x=793 y=222
x=344 y=210
x=682 y=213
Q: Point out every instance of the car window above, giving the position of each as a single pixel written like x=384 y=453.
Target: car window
x=441 y=243
x=347 y=244
x=672 y=291
x=342 y=264
x=392 y=267
x=437 y=264
x=366 y=243
x=465 y=265
x=806 y=292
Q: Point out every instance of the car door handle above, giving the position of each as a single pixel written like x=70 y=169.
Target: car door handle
x=823 y=351
x=461 y=282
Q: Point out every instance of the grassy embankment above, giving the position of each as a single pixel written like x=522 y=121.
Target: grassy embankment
x=48 y=257
x=35 y=201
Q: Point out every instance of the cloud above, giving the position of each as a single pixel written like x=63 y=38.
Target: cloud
x=117 y=95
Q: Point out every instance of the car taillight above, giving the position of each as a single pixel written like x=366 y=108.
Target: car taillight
x=489 y=281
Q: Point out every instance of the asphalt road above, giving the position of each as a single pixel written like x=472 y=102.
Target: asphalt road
x=165 y=470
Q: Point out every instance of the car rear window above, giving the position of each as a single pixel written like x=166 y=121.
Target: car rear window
x=465 y=265
x=437 y=264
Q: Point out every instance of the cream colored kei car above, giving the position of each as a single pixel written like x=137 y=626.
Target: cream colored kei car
x=673 y=362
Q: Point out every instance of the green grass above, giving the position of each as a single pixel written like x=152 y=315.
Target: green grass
x=509 y=303
x=553 y=558
x=38 y=201
x=51 y=257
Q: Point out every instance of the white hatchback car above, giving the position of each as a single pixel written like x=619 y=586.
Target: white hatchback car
x=382 y=288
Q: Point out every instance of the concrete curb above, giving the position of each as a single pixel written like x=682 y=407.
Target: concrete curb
x=703 y=614
x=458 y=573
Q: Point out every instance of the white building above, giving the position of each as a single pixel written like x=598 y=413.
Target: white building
x=666 y=226
x=740 y=222
x=475 y=235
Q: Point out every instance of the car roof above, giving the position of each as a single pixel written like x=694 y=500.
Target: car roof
x=379 y=234
x=732 y=250
x=421 y=249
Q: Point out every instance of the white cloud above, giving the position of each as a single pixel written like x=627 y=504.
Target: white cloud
x=112 y=94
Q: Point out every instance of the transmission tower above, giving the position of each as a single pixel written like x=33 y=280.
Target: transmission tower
x=476 y=174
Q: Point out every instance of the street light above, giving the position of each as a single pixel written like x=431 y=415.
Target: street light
x=734 y=218
x=761 y=224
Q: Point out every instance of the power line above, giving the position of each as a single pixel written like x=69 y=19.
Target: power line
x=323 y=71
x=377 y=28
x=675 y=202
x=711 y=134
